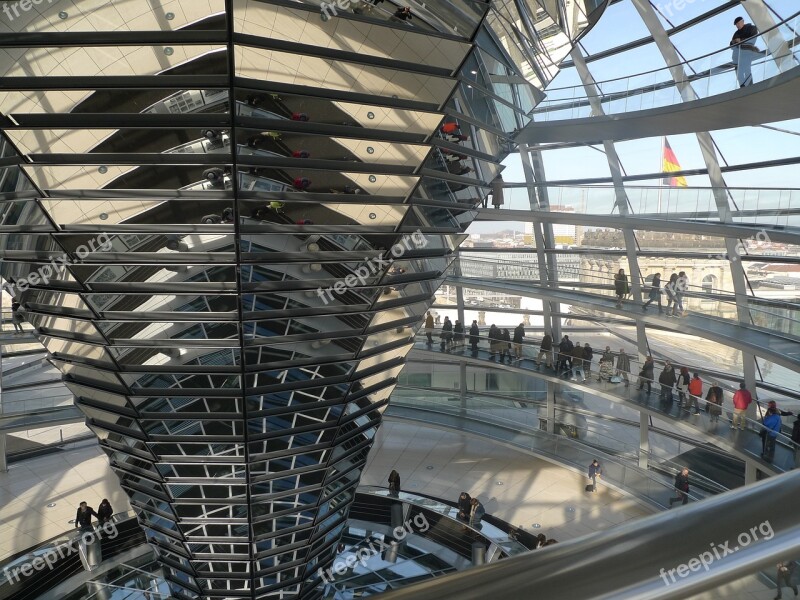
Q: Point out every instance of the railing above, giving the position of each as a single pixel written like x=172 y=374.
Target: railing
x=487 y=530
x=709 y=75
x=528 y=417
x=633 y=560
x=705 y=417
x=765 y=207
x=652 y=487
x=774 y=316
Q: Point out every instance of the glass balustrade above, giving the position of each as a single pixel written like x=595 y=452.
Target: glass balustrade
x=708 y=75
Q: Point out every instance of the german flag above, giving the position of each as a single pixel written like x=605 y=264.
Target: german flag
x=670 y=164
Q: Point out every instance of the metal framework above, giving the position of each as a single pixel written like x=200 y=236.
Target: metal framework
x=225 y=220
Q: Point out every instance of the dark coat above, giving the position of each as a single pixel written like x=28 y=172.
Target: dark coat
x=104 y=512
x=547 y=342
x=519 y=334
x=647 y=369
x=84 y=519
x=682 y=482
x=474 y=333
x=714 y=399
x=621 y=284
x=667 y=377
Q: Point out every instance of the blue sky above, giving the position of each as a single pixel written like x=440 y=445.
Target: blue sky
x=621 y=24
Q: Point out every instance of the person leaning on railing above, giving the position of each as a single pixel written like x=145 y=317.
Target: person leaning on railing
x=744 y=50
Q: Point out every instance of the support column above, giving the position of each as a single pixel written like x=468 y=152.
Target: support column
x=773 y=38
x=551 y=407
x=750 y=472
x=462 y=370
x=540 y=241
x=644 y=440
x=3 y=460
x=706 y=142
x=615 y=166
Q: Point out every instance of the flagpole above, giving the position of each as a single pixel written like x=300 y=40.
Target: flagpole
x=661 y=169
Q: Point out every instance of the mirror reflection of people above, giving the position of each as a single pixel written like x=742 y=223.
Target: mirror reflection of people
x=744 y=50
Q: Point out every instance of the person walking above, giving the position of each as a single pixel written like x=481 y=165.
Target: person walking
x=682 y=385
x=667 y=380
x=588 y=355
x=695 y=391
x=681 y=286
x=505 y=346
x=714 y=401
x=458 y=335
x=744 y=50
x=546 y=351
x=623 y=366
x=647 y=374
x=595 y=470
x=104 y=512
x=741 y=400
x=429 y=328
x=564 y=355
x=83 y=518
x=446 y=335
x=474 y=336
x=784 y=577
x=682 y=487
x=394 y=483
x=621 y=288
x=669 y=289
x=654 y=293
x=769 y=433
x=476 y=513
x=519 y=335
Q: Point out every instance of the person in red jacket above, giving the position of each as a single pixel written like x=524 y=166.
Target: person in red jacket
x=695 y=392
x=741 y=400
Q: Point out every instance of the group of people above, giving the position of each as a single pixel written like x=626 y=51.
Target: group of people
x=575 y=360
x=83 y=518
x=470 y=510
x=675 y=290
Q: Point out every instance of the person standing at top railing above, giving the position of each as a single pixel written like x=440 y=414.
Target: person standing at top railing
x=744 y=50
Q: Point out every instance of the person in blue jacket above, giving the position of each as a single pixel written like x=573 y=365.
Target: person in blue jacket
x=772 y=427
